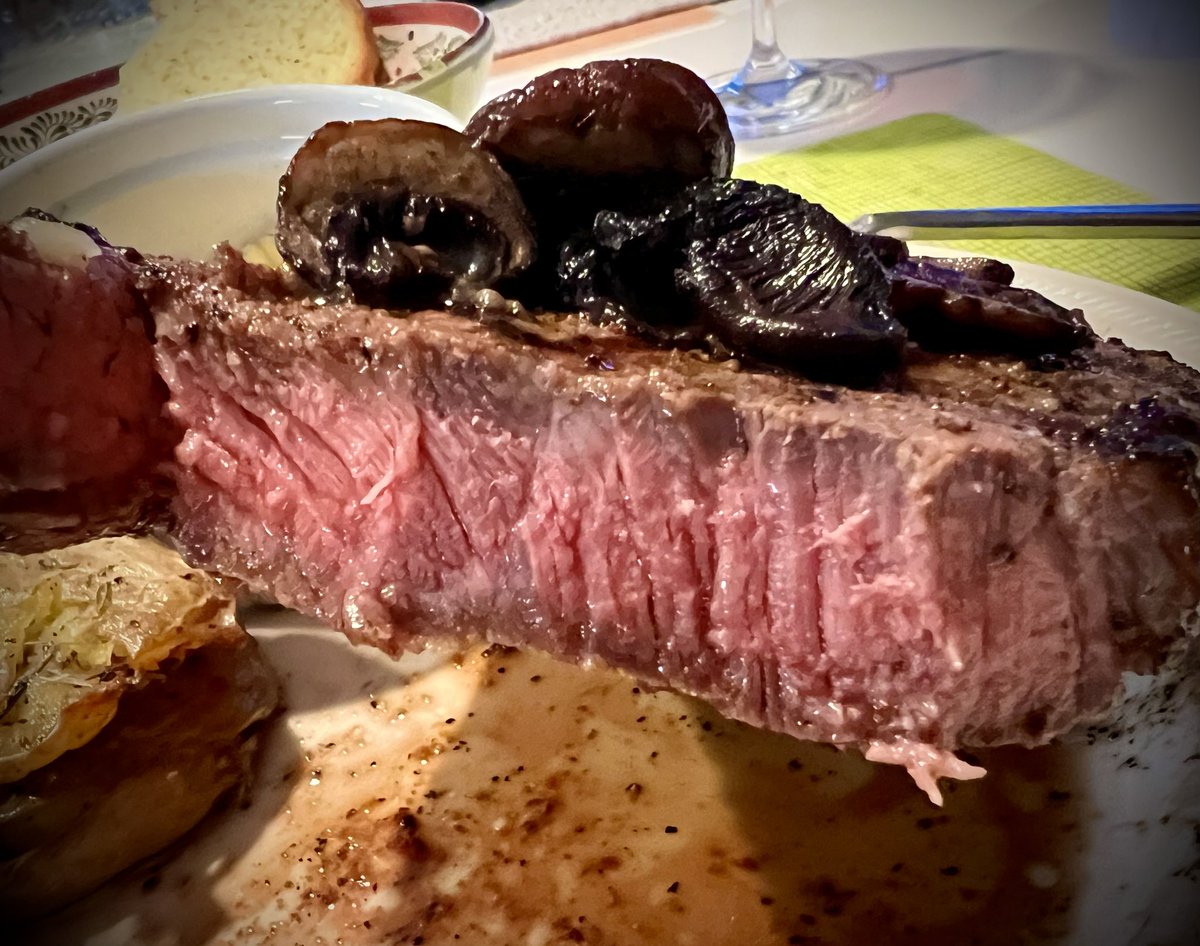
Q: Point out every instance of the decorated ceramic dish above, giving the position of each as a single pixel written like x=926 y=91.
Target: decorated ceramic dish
x=438 y=51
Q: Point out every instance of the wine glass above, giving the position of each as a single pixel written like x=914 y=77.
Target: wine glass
x=772 y=94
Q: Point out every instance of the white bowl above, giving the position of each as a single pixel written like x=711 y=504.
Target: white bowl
x=181 y=177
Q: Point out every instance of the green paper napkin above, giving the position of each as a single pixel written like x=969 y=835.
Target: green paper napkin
x=936 y=162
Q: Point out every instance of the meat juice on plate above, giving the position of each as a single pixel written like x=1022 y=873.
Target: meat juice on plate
x=501 y=796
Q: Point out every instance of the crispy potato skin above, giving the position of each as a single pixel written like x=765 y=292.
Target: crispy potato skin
x=131 y=697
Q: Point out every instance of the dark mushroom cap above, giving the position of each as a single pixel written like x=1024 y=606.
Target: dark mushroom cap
x=629 y=116
x=374 y=205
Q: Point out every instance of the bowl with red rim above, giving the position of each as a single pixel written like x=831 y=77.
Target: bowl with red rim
x=438 y=51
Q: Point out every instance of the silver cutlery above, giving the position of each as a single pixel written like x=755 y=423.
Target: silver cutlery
x=1088 y=221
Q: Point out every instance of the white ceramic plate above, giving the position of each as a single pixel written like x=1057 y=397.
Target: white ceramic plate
x=506 y=798
x=181 y=177
x=541 y=794
x=511 y=799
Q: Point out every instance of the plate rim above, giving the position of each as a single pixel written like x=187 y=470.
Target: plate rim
x=266 y=96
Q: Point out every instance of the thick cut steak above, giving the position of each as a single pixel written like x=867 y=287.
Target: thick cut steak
x=969 y=558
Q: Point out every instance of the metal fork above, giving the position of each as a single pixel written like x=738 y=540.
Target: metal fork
x=1145 y=220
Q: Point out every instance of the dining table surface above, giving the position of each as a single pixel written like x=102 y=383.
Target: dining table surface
x=1111 y=87
x=1033 y=102
x=1096 y=84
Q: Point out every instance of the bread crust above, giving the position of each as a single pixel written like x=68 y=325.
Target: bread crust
x=370 y=65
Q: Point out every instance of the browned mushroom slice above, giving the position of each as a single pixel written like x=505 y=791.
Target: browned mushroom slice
x=745 y=269
x=397 y=211
x=956 y=308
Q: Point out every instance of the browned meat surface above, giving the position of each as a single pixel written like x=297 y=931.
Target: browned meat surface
x=972 y=558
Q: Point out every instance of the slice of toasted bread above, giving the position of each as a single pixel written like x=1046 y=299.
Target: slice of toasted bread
x=204 y=46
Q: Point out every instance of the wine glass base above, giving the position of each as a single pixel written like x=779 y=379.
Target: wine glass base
x=824 y=90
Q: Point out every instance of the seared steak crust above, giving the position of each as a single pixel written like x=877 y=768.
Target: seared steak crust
x=954 y=561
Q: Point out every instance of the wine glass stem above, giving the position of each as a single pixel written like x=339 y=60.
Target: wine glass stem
x=767 y=62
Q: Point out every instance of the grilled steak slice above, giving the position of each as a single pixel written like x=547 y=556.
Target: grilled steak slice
x=965 y=560
x=81 y=402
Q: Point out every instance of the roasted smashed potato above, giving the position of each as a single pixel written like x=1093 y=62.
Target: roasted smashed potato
x=130 y=692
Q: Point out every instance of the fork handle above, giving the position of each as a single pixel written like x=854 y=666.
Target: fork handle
x=1086 y=215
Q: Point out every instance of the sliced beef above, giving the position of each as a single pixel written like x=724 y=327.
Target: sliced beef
x=81 y=402
x=959 y=561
